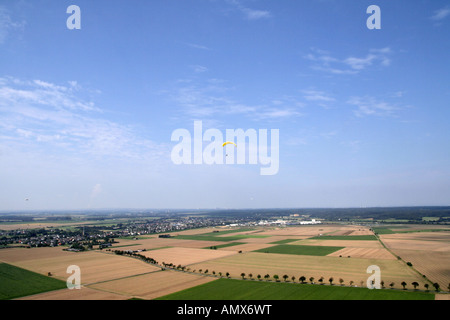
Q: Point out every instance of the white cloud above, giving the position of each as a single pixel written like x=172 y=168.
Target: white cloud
x=8 y=25
x=277 y=113
x=369 y=106
x=214 y=100
x=323 y=61
x=199 y=68
x=256 y=14
x=313 y=95
x=43 y=93
x=441 y=14
x=197 y=46
x=360 y=63
x=40 y=115
x=250 y=14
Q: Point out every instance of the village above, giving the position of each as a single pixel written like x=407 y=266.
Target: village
x=87 y=236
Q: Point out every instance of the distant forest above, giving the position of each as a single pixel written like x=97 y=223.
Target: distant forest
x=413 y=214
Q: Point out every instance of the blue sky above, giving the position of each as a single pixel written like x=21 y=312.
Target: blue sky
x=86 y=116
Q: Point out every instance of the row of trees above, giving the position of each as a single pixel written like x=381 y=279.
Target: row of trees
x=136 y=255
x=321 y=280
x=267 y=277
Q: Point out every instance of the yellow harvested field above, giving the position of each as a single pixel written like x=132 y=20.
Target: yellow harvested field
x=436 y=241
x=186 y=256
x=349 y=230
x=349 y=269
x=429 y=253
x=435 y=265
x=306 y=231
x=420 y=245
x=153 y=285
x=84 y=293
x=361 y=232
x=23 y=254
x=155 y=243
x=94 y=266
x=364 y=253
x=423 y=241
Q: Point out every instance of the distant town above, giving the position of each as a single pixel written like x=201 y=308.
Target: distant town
x=86 y=236
x=95 y=230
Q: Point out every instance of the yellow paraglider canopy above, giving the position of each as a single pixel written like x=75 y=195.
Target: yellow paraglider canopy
x=228 y=142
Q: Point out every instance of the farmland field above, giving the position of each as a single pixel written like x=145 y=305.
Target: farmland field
x=186 y=256
x=338 y=252
x=300 y=250
x=95 y=266
x=349 y=269
x=16 y=282
x=350 y=237
x=85 y=293
x=428 y=252
x=152 y=285
x=226 y=289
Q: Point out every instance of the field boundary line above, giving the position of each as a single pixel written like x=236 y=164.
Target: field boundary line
x=401 y=259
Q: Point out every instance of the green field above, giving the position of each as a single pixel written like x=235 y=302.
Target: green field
x=366 y=237
x=284 y=241
x=383 y=230
x=300 y=250
x=229 y=289
x=16 y=282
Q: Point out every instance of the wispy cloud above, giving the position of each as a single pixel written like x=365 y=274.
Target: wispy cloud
x=250 y=14
x=369 y=106
x=40 y=115
x=441 y=14
x=198 y=68
x=319 y=98
x=197 y=46
x=313 y=95
x=277 y=113
x=214 y=99
x=323 y=61
x=8 y=25
x=39 y=92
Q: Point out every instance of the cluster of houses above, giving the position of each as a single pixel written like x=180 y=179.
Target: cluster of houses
x=278 y=222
